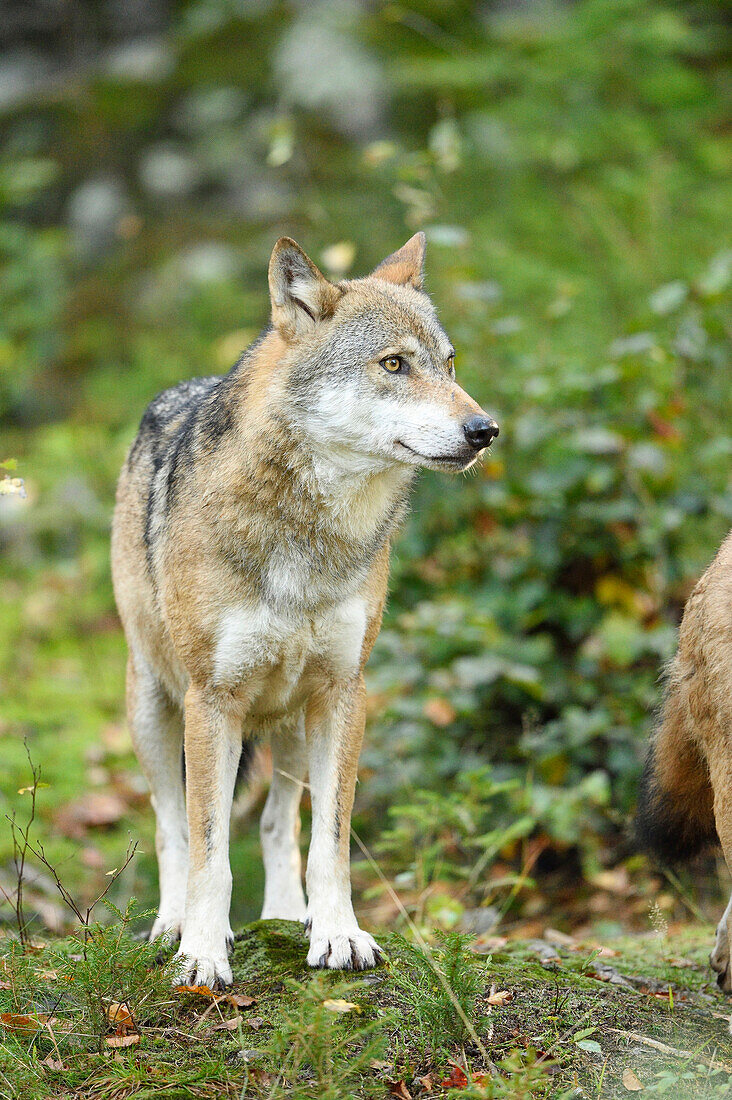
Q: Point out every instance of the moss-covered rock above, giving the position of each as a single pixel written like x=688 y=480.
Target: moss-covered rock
x=270 y=951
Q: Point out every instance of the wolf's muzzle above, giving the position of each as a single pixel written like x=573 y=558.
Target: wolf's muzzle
x=480 y=431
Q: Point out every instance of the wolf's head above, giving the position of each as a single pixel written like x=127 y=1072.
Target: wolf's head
x=371 y=371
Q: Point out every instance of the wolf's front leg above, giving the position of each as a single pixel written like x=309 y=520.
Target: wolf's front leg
x=334 y=728
x=213 y=747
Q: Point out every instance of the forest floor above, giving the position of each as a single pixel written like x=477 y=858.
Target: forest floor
x=551 y=1017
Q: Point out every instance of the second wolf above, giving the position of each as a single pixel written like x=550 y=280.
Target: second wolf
x=686 y=794
x=250 y=554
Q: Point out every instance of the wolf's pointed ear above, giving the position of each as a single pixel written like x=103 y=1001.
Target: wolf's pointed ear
x=406 y=265
x=301 y=296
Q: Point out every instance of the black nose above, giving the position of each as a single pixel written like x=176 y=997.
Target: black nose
x=480 y=431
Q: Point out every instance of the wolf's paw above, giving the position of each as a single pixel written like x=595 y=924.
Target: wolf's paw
x=354 y=950
x=210 y=970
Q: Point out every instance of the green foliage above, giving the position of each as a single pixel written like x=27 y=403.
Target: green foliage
x=88 y=975
x=546 y=641
x=520 y=1075
x=452 y=836
x=429 y=1020
x=322 y=1048
x=678 y=1082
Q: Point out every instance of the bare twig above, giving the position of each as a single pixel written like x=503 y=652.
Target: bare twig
x=21 y=847
x=84 y=917
x=665 y=1049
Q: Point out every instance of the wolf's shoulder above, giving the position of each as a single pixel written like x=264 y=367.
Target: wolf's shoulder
x=167 y=412
x=177 y=401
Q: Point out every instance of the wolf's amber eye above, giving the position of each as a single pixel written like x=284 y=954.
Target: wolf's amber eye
x=392 y=363
x=451 y=364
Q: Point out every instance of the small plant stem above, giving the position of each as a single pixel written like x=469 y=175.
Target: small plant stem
x=683 y=895
x=21 y=846
x=84 y=918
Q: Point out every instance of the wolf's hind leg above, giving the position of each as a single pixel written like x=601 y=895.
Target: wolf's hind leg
x=156 y=725
x=279 y=827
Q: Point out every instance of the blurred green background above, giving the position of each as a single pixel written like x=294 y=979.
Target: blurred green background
x=569 y=164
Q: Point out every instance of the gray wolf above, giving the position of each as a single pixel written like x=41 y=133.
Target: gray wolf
x=685 y=799
x=250 y=551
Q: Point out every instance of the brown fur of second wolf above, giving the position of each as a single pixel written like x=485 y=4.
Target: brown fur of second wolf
x=686 y=790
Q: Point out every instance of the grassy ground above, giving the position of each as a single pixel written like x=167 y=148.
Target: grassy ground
x=541 y=1018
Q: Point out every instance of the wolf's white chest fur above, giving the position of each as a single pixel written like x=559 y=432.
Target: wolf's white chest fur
x=311 y=614
x=269 y=654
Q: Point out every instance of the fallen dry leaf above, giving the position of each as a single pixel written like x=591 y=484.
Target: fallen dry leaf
x=500 y=997
x=458 y=1078
x=662 y=994
x=228 y=1025
x=398 y=1088
x=122 y=1040
x=258 y=1075
x=425 y=1082
x=14 y=1021
x=631 y=1082
x=239 y=1000
x=120 y=1017
x=339 y=1005
x=604 y=973
x=55 y=1064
